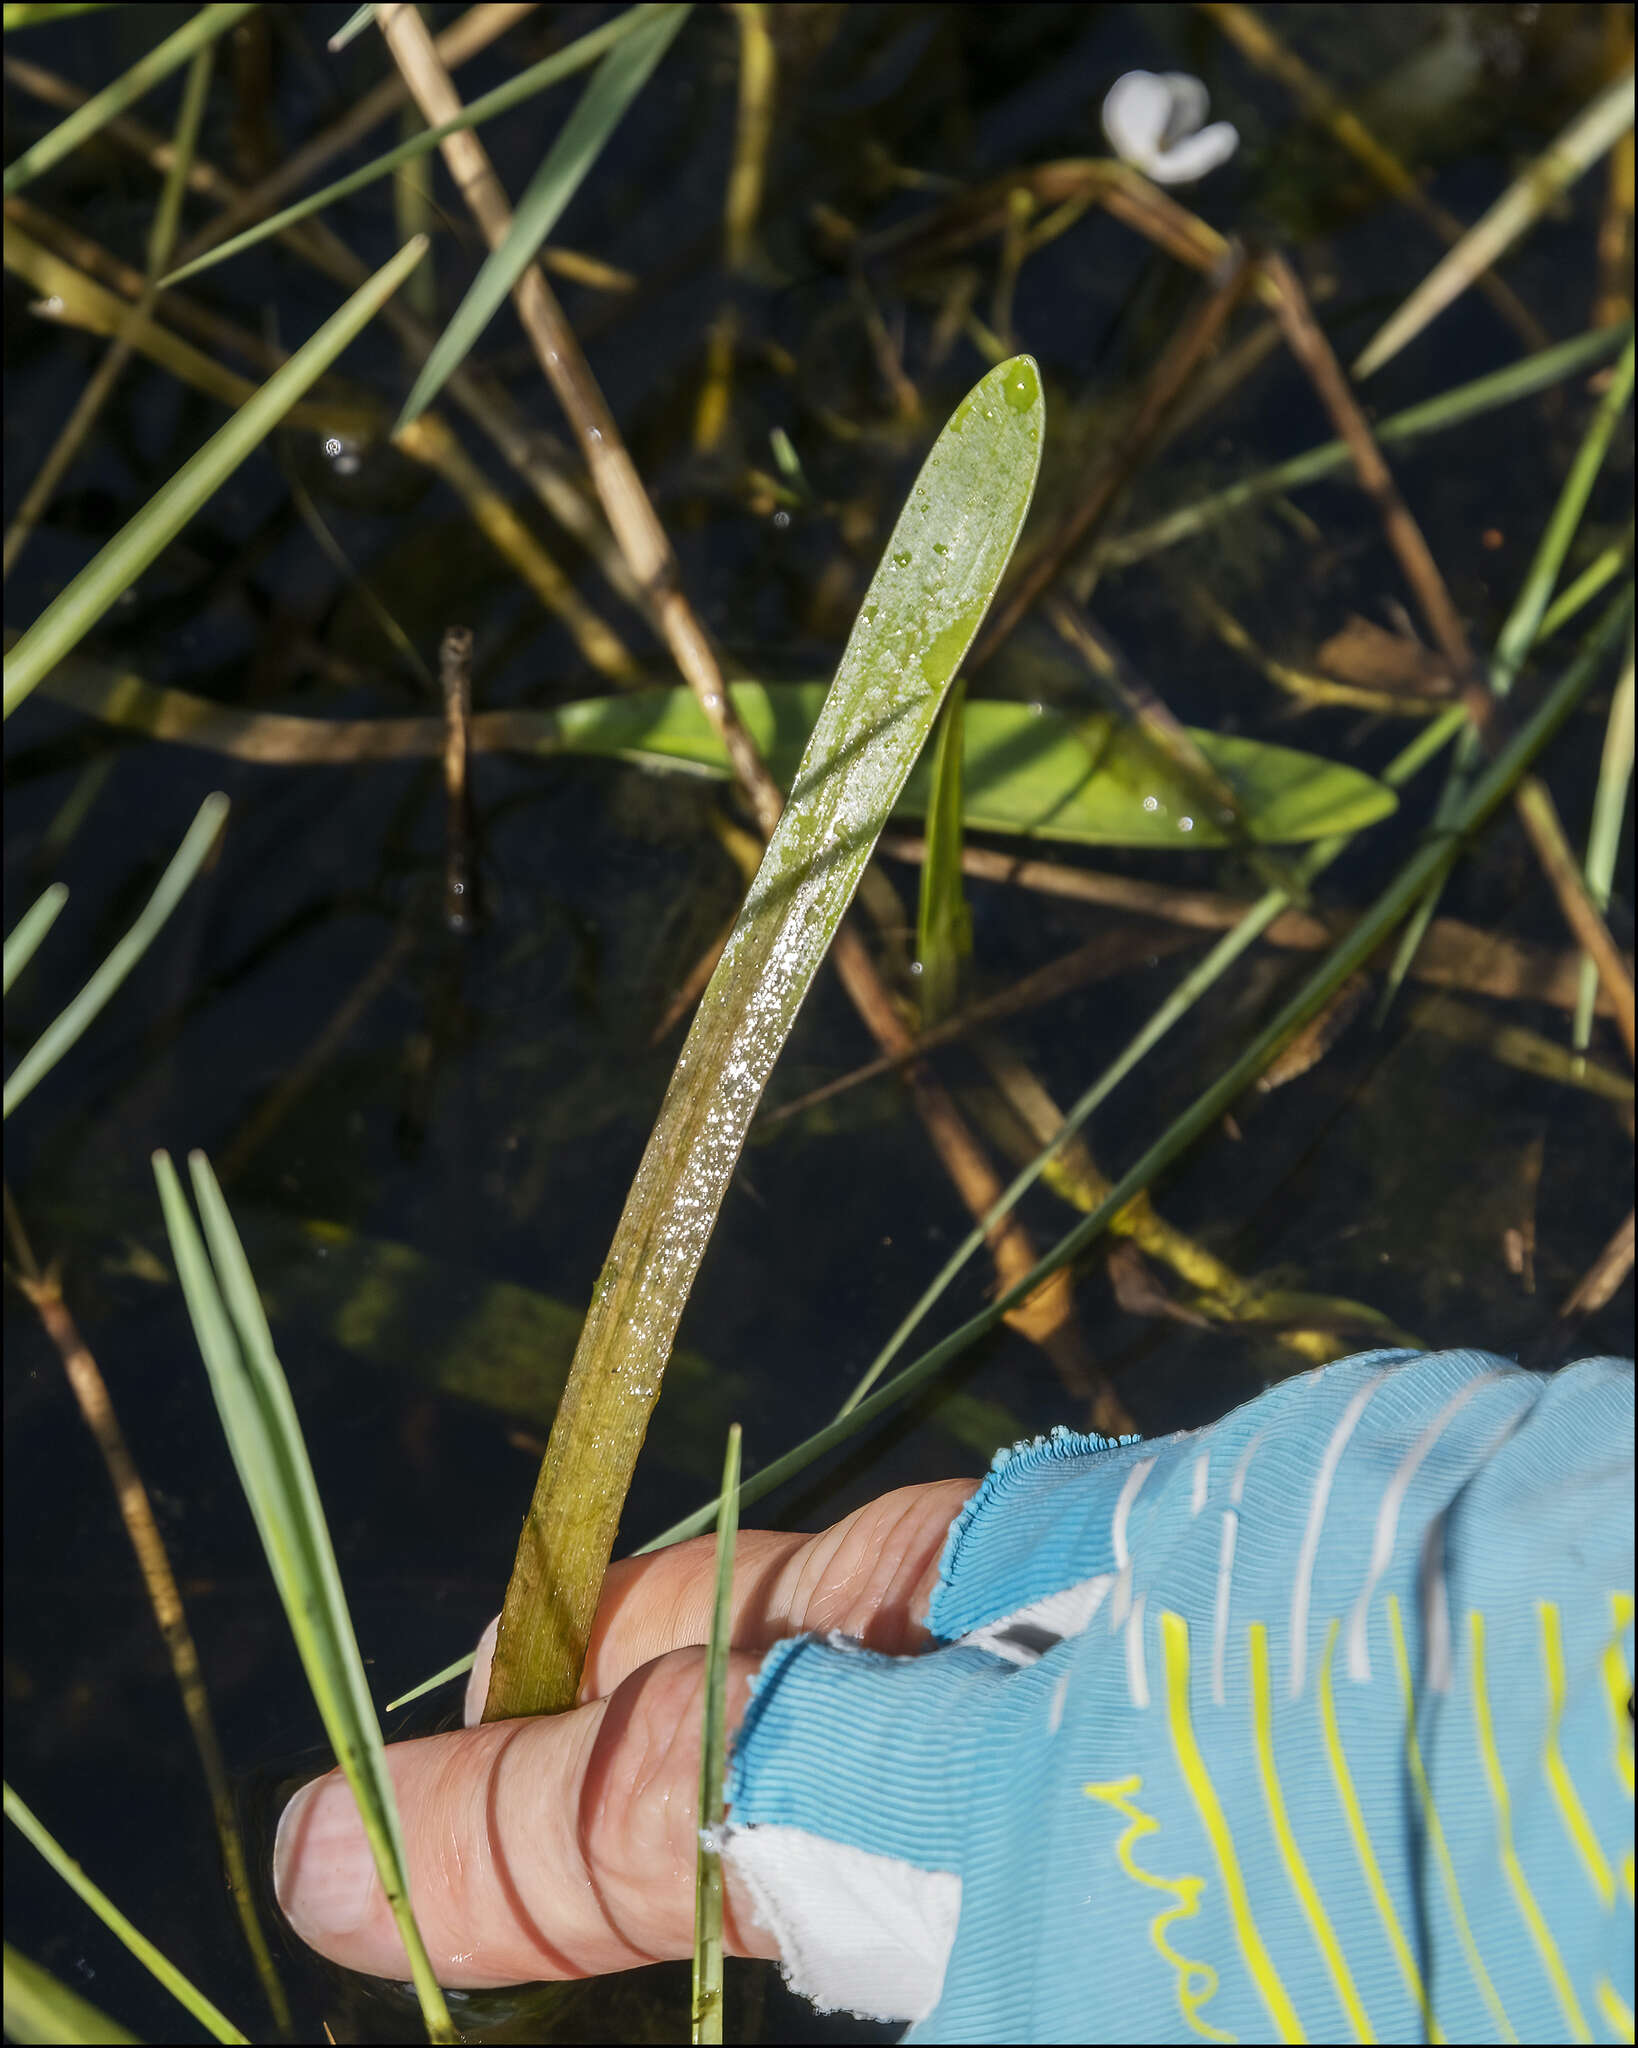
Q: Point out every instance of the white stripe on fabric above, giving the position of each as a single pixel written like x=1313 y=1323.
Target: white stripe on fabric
x=1435 y=1601
x=1202 y=1475
x=1137 y=1675
x=1326 y=1475
x=1225 y=1569
x=1219 y=1626
x=1117 y=1541
x=1387 y=1521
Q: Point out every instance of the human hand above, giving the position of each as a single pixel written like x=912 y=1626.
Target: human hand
x=565 y=1846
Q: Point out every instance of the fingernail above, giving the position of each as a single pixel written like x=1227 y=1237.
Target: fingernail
x=477 y=1684
x=323 y=1872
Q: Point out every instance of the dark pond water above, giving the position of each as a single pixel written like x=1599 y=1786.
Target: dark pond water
x=457 y=1153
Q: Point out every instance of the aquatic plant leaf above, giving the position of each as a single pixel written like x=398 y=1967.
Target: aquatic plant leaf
x=259 y=1421
x=32 y=1989
x=614 y=85
x=945 y=557
x=114 y=568
x=707 y=2008
x=71 y=1022
x=197 y=33
x=944 y=923
x=23 y=943
x=575 y=56
x=1026 y=772
x=40 y=2007
x=1026 y=769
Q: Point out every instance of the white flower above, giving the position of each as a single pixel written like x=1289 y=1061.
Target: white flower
x=1153 y=120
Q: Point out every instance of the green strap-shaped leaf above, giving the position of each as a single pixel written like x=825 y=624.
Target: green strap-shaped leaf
x=264 y=1436
x=75 y=610
x=944 y=923
x=197 y=33
x=931 y=590
x=614 y=85
x=512 y=92
x=215 y=2022
x=1026 y=769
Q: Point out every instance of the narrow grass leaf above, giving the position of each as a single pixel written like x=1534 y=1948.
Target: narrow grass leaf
x=40 y=2007
x=1518 y=635
x=30 y=13
x=616 y=83
x=935 y=582
x=264 y=1437
x=575 y=56
x=216 y=2023
x=74 y=611
x=1536 y=189
x=1604 y=834
x=32 y=926
x=69 y=1025
x=168 y=56
x=707 y=2014
x=944 y=923
x=352 y=28
x=1449 y=409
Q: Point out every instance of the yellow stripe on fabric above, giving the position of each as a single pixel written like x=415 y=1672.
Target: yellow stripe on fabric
x=1196 y=1981
x=1375 y=1883
x=1618 y=1692
x=1617 y=2013
x=1618 y=1698
x=1436 y=1833
x=1540 y=1933
x=1302 y=1883
x=1174 y=1632
x=1562 y=1786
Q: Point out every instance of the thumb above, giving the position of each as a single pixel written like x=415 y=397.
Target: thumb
x=544 y=1848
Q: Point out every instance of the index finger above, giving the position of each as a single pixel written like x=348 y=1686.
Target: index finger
x=870 y=1576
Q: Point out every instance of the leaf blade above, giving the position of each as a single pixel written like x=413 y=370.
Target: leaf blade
x=946 y=556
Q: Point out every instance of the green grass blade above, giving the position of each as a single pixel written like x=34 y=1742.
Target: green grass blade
x=74 y=611
x=616 y=83
x=1522 y=626
x=562 y=63
x=1598 y=126
x=29 y=13
x=215 y=2023
x=934 y=583
x=1518 y=635
x=32 y=926
x=707 y=2014
x=352 y=28
x=170 y=55
x=1604 y=834
x=1451 y=408
x=1604 y=567
x=40 y=2007
x=264 y=1437
x=184 y=148
x=69 y=1024
x=944 y=923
